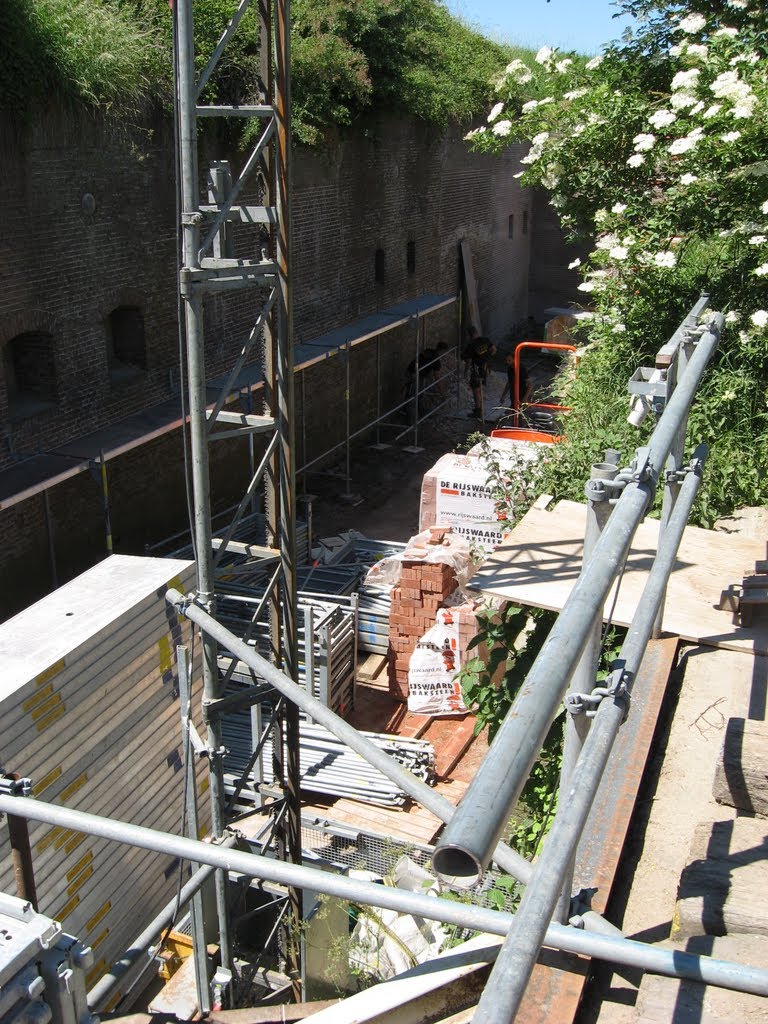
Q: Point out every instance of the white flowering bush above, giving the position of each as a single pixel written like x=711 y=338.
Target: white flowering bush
x=657 y=151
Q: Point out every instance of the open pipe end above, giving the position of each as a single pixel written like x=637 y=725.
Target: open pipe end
x=457 y=866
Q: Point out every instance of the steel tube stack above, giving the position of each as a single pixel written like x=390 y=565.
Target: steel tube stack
x=470 y=837
x=627 y=952
x=506 y=987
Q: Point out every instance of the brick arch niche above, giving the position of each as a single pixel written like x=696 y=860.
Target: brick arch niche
x=29 y=369
x=126 y=343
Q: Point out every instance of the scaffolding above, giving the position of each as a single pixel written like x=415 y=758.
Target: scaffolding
x=208 y=267
x=470 y=839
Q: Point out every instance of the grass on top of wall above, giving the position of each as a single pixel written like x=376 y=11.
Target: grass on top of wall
x=352 y=60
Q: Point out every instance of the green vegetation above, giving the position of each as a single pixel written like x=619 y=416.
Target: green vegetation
x=655 y=152
x=357 y=57
x=352 y=60
x=79 y=50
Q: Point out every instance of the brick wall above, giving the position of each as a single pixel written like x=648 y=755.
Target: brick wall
x=88 y=213
x=551 y=283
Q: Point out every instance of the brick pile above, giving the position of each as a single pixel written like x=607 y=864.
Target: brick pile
x=422 y=589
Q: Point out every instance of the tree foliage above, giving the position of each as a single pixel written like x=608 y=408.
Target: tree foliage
x=657 y=152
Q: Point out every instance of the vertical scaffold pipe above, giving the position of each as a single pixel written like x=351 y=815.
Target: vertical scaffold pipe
x=465 y=847
x=193 y=310
x=583 y=680
x=287 y=471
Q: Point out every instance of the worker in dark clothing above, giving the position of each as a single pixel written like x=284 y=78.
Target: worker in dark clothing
x=429 y=371
x=526 y=386
x=476 y=356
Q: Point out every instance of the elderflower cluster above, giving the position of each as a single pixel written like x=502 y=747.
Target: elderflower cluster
x=686 y=143
x=517 y=70
x=692 y=24
x=537 y=148
x=729 y=86
x=643 y=142
x=544 y=56
x=685 y=79
x=662 y=118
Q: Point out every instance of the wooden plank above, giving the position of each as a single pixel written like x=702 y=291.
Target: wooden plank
x=470 y=286
x=409 y=825
x=369 y=671
x=540 y=561
x=741 y=776
x=722 y=887
x=557 y=981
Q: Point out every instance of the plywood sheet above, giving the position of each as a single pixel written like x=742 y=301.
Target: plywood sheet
x=540 y=561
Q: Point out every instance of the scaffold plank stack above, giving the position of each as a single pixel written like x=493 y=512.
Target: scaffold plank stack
x=90 y=710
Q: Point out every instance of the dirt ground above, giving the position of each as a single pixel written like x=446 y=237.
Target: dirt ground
x=386 y=485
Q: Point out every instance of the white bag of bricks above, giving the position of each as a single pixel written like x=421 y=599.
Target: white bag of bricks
x=433 y=686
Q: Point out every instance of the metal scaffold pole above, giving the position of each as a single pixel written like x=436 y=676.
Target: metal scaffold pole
x=195 y=351
x=285 y=523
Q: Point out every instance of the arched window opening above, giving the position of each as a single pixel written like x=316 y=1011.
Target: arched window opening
x=30 y=374
x=126 y=345
x=379 y=264
x=410 y=256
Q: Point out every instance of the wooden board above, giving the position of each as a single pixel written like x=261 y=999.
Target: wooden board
x=540 y=561
x=412 y=824
x=470 y=286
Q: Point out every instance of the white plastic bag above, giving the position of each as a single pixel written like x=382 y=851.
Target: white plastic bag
x=453 y=550
x=433 y=687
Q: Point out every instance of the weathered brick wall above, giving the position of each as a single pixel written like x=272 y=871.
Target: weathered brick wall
x=66 y=267
x=407 y=185
x=551 y=283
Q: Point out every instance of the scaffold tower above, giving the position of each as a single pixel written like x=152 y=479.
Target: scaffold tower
x=208 y=267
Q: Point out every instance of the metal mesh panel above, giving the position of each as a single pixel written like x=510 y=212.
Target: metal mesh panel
x=366 y=851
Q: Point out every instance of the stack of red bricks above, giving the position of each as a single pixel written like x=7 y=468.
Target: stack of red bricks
x=423 y=588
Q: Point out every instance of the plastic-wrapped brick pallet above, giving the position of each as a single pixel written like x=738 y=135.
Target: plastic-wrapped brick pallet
x=90 y=712
x=455 y=492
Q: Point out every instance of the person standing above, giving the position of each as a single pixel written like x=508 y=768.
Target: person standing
x=476 y=356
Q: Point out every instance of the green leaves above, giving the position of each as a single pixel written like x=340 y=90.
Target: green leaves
x=657 y=153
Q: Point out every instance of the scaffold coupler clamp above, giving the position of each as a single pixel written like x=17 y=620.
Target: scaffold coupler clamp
x=581 y=703
x=641 y=465
x=588 y=703
x=619 y=688
x=12 y=785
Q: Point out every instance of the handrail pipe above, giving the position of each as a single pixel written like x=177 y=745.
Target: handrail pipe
x=471 y=835
x=504 y=992
x=627 y=952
